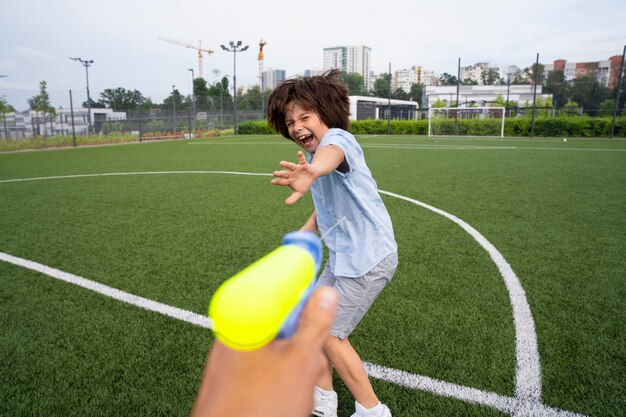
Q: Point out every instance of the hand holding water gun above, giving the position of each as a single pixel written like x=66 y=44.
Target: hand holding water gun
x=264 y=301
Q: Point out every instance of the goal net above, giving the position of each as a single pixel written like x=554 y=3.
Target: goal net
x=466 y=121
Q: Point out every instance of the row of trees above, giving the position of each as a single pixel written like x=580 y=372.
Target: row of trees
x=584 y=92
x=206 y=97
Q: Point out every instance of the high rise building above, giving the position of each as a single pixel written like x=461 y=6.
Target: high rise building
x=272 y=77
x=350 y=59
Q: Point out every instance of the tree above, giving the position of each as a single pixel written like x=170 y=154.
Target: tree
x=122 y=99
x=490 y=76
x=447 y=79
x=529 y=74
x=41 y=104
x=515 y=75
x=589 y=93
x=469 y=81
x=5 y=108
x=606 y=108
x=558 y=87
x=417 y=93
x=219 y=95
x=570 y=108
x=173 y=100
x=251 y=100
x=382 y=85
x=353 y=82
x=400 y=94
x=439 y=103
x=94 y=104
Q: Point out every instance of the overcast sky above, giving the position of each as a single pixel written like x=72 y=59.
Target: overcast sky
x=37 y=37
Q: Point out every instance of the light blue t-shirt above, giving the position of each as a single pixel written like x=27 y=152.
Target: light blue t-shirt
x=365 y=237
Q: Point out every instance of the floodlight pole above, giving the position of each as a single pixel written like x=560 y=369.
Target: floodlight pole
x=193 y=94
x=86 y=64
x=174 y=107
x=234 y=48
x=618 y=88
x=508 y=88
x=389 y=104
x=532 y=124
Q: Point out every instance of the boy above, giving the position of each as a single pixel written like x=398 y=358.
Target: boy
x=314 y=113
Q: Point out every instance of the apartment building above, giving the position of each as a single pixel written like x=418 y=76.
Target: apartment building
x=606 y=72
x=272 y=77
x=350 y=59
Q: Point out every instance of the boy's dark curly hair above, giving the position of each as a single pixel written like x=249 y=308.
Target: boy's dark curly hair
x=325 y=95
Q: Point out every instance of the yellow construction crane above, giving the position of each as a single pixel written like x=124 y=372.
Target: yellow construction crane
x=197 y=48
x=262 y=43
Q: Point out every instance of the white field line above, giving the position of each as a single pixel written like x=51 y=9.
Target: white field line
x=527 y=400
x=418 y=146
x=113 y=174
x=478 y=147
x=513 y=406
x=145 y=303
x=528 y=375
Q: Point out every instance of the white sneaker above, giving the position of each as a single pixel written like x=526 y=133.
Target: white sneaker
x=324 y=405
x=364 y=412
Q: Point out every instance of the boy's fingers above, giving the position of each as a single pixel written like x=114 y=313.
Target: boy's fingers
x=301 y=158
x=281 y=173
x=289 y=165
x=317 y=317
x=295 y=196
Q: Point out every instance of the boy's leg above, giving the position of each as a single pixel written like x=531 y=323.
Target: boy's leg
x=350 y=368
x=356 y=296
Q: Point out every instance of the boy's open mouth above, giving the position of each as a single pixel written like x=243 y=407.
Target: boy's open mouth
x=306 y=138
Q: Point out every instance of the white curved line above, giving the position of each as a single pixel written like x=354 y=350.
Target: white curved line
x=528 y=370
x=527 y=399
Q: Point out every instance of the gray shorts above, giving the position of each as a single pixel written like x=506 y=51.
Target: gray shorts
x=356 y=295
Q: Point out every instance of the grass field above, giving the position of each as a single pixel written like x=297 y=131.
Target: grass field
x=449 y=336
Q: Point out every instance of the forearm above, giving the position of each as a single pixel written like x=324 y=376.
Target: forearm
x=311 y=224
x=327 y=159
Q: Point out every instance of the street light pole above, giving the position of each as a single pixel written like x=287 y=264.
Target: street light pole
x=193 y=94
x=86 y=64
x=174 y=106
x=234 y=48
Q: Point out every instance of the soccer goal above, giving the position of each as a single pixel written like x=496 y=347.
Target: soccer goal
x=466 y=121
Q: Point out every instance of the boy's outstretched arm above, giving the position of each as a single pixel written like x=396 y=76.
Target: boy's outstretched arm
x=300 y=176
x=311 y=224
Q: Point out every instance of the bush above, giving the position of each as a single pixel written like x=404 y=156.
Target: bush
x=259 y=127
x=562 y=126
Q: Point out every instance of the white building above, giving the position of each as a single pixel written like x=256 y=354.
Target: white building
x=363 y=108
x=481 y=95
x=350 y=59
x=405 y=78
x=29 y=123
x=475 y=72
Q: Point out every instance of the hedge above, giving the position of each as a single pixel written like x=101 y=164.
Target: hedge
x=583 y=126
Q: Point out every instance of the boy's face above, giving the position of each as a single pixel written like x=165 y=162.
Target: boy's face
x=305 y=126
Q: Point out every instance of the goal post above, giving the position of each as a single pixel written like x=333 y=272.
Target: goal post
x=466 y=121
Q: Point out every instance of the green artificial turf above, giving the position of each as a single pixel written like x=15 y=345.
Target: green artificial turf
x=554 y=209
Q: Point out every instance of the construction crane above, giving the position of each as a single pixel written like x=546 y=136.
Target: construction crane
x=262 y=43
x=197 y=48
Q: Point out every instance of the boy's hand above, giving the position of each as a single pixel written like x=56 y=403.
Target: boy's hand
x=298 y=177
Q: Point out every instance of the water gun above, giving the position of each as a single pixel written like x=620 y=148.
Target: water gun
x=264 y=301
